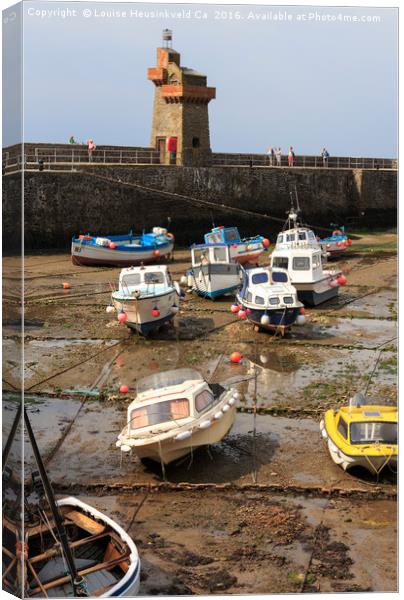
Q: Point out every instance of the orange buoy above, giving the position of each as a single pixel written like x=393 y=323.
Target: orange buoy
x=156 y=253
x=235 y=357
x=66 y=285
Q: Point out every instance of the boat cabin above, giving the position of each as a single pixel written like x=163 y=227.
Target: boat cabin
x=303 y=264
x=268 y=287
x=144 y=279
x=299 y=237
x=223 y=235
x=366 y=425
x=204 y=254
x=169 y=399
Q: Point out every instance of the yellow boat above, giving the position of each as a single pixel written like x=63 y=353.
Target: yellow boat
x=362 y=434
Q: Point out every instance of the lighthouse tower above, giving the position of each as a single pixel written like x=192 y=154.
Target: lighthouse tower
x=180 y=129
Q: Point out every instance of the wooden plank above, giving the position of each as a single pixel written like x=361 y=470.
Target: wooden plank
x=83 y=572
x=84 y=522
x=55 y=551
x=35 y=574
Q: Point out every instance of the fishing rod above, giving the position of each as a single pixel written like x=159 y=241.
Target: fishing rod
x=77 y=581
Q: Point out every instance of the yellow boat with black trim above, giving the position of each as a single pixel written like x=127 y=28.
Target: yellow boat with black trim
x=362 y=434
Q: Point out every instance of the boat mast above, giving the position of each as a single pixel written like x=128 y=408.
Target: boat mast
x=76 y=579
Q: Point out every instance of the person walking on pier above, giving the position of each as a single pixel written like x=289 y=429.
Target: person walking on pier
x=325 y=155
x=291 y=157
x=278 y=154
x=271 y=156
x=91 y=147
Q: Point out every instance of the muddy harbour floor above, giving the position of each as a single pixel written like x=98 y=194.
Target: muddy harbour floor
x=266 y=510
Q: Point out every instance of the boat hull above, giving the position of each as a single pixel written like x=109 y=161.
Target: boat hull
x=315 y=293
x=139 y=311
x=373 y=464
x=277 y=318
x=170 y=450
x=84 y=253
x=214 y=280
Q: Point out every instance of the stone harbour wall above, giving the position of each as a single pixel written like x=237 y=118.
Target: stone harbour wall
x=60 y=204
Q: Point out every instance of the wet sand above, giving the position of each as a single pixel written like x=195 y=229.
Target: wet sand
x=266 y=510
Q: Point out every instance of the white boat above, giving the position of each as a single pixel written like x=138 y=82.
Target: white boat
x=123 y=250
x=147 y=298
x=105 y=556
x=174 y=413
x=213 y=272
x=268 y=299
x=298 y=252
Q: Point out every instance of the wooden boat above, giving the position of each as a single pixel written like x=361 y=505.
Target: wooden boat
x=123 y=250
x=69 y=548
x=213 y=272
x=104 y=554
x=335 y=244
x=268 y=300
x=174 y=413
x=147 y=298
x=362 y=434
x=246 y=250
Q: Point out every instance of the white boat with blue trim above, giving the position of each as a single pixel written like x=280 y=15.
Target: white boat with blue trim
x=242 y=250
x=147 y=298
x=268 y=300
x=123 y=250
x=213 y=272
x=174 y=413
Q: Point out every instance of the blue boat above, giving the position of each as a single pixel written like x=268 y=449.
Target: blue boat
x=336 y=243
x=123 y=250
x=246 y=250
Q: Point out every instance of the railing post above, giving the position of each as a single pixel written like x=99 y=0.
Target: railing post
x=104 y=156
x=55 y=155
x=120 y=156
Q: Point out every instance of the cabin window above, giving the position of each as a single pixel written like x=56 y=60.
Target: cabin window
x=201 y=257
x=274 y=300
x=260 y=278
x=280 y=239
x=161 y=412
x=290 y=237
x=302 y=235
x=132 y=279
x=342 y=428
x=279 y=277
x=316 y=261
x=214 y=238
x=249 y=297
x=311 y=235
x=259 y=300
x=204 y=400
x=154 y=277
x=280 y=262
x=288 y=299
x=232 y=235
x=219 y=254
x=373 y=432
x=301 y=263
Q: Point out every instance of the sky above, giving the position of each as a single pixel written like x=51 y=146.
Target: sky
x=324 y=81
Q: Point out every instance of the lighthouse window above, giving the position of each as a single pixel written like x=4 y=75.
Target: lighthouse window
x=280 y=262
x=259 y=300
x=288 y=299
x=301 y=263
x=195 y=142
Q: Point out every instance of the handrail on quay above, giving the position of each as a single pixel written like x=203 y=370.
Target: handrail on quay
x=51 y=158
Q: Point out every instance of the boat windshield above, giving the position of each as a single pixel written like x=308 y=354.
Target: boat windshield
x=373 y=432
x=154 y=277
x=232 y=235
x=167 y=378
x=161 y=412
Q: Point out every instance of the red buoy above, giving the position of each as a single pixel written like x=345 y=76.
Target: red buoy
x=235 y=308
x=156 y=253
x=112 y=245
x=341 y=279
x=349 y=242
x=155 y=312
x=124 y=389
x=122 y=317
x=235 y=357
x=266 y=243
x=66 y=286
x=242 y=314
x=302 y=311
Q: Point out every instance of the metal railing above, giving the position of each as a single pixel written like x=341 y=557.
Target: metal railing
x=333 y=162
